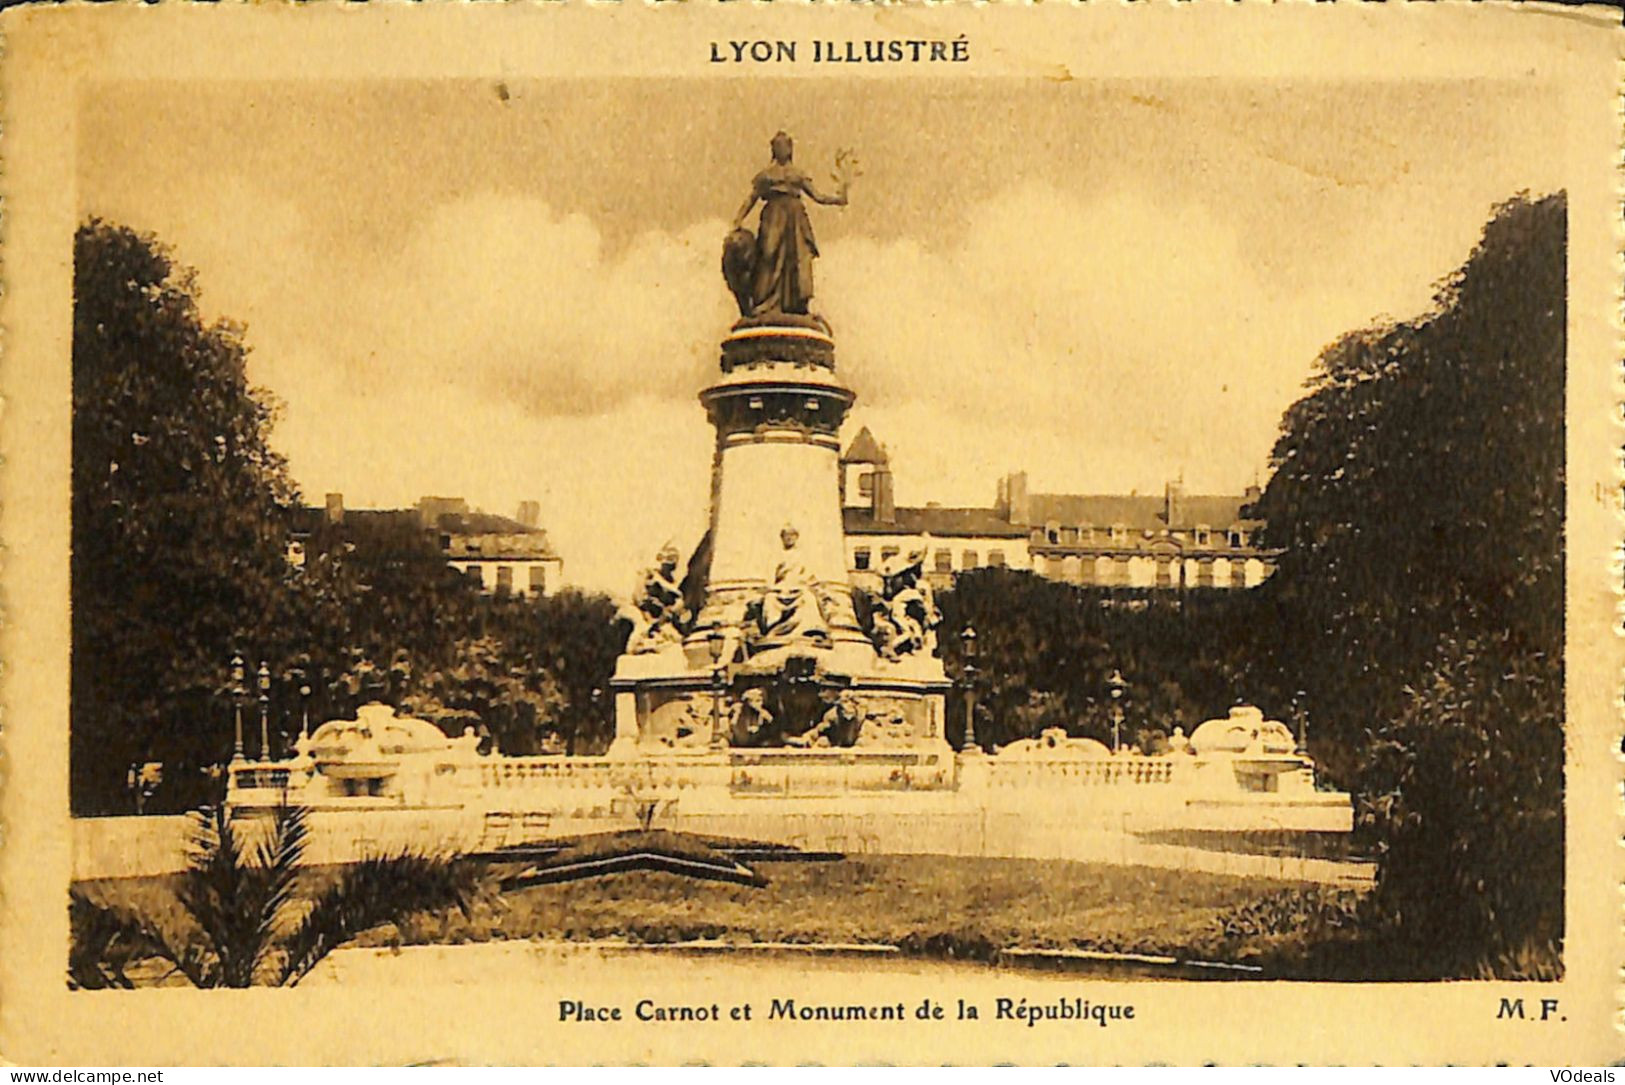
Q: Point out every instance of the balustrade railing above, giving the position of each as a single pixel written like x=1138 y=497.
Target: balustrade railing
x=526 y=772
x=276 y=779
x=1123 y=770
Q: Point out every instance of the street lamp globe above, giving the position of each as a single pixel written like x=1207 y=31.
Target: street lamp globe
x=1117 y=686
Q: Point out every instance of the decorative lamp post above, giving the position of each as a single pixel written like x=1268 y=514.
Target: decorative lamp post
x=1300 y=711
x=713 y=641
x=597 y=710
x=304 y=708
x=1116 y=684
x=967 y=640
x=238 y=692
x=265 y=711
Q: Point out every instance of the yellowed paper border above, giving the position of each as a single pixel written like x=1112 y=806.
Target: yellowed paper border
x=52 y=53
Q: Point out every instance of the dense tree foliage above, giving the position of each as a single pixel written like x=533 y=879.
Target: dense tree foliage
x=182 y=515
x=1419 y=489
x=1046 y=653
x=178 y=525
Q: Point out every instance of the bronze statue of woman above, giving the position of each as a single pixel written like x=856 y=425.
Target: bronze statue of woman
x=774 y=275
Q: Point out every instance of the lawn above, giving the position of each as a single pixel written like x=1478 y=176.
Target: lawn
x=907 y=900
x=927 y=905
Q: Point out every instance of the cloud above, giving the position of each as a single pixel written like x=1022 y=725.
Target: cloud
x=525 y=303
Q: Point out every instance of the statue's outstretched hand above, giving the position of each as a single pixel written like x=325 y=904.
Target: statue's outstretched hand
x=847 y=169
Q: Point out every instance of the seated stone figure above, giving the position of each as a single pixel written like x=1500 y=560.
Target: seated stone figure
x=906 y=616
x=657 y=611
x=750 y=721
x=792 y=609
x=838 y=726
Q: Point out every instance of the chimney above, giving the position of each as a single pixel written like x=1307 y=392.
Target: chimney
x=1001 y=500
x=1173 y=512
x=335 y=508
x=1021 y=506
x=530 y=513
x=884 y=506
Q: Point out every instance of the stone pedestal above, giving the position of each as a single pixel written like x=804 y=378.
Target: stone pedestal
x=626 y=724
x=777 y=409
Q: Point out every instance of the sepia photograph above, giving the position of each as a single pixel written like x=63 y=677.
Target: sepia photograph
x=832 y=513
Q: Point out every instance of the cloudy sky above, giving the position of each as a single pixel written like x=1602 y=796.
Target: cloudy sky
x=508 y=291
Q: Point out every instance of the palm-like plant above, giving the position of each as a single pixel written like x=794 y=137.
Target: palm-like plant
x=246 y=924
x=103 y=945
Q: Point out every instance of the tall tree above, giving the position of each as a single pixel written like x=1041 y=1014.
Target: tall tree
x=1419 y=491
x=178 y=529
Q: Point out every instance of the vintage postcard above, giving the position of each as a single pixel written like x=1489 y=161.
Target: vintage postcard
x=705 y=532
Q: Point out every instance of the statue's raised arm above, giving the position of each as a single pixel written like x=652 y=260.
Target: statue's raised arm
x=770 y=272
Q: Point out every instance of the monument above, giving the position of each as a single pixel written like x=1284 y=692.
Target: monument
x=767 y=642
x=760 y=696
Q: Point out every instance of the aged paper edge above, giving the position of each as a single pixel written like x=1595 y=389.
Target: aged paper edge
x=51 y=53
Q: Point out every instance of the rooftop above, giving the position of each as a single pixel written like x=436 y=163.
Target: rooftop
x=464 y=526
x=1138 y=512
x=943 y=522
x=864 y=449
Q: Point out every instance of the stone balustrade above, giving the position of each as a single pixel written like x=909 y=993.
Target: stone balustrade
x=568 y=772
x=261 y=777
x=1131 y=769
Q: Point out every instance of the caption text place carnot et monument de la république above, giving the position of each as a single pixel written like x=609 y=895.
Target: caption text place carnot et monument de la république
x=1074 y=1009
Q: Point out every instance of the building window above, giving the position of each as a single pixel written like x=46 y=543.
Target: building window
x=476 y=574
x=995 y=558
x=1118 y=534
x=538 y=580
x=1086 y=532
x=1204 y=535
x=504 y=579
x=1165 y=573
x=1238 y=538
x=1238 y=574
x=1204 y=574
x=445 y=542
x=1052 y=531
x=968 y=560
x=887 y=553
x=866 y=484
x=944 y=561
x=860 y=558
